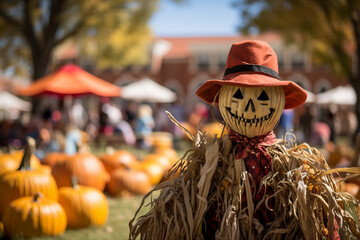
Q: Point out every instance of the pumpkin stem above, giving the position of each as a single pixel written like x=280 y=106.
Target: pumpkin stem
x=37 y=196
x=28 y=151
x=82 y=147
x=74 y=182
x=110 y=150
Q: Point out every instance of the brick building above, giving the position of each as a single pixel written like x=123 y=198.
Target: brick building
x=182 y=64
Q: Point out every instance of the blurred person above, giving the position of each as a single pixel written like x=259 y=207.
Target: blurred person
x=286 y=123
x=130 y=111
x=11 y=133
x=321 y=134
x=329 y=119
x=127 y=132
x=78 y=114
x=113 y=112
x=161 y=118
x=73 y=139
x=50 y=138
x=115 y=119
x=200 y=113
x=33 y=127
x=306 y=122
x=105 y=128
x=144 y=125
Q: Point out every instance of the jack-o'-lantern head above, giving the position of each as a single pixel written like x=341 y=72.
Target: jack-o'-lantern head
x=250 y=95
x=251 y=111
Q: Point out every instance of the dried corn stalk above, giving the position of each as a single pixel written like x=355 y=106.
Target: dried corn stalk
x=307 y=201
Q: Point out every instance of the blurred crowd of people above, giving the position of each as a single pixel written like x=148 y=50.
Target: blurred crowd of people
x=318 y=125
x=64 y=129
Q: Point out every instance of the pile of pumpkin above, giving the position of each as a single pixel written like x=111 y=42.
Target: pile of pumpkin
x=44 y=198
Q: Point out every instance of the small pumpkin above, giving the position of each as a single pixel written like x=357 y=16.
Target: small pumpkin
x=351 y=188
x=215 y=128
x=153 y=169
x=86 y=167
x=160 y=159
x=161 y=140
x=192 y=130
x=84 y=206
x=119 y=159
x=26 y=181
x=51 y=158
x=34 y=216
x=170 y=153
x=124 y=181
x=45 y=169
x=7 y=163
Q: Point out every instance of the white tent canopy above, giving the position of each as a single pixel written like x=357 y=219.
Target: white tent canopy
x=340 y=95
x=146 y=90
x=9 y=102
x=310 y=97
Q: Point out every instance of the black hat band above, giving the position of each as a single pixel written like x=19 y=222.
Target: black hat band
x=252 y=68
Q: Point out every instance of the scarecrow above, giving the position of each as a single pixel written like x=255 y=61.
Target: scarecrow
x=247 y=184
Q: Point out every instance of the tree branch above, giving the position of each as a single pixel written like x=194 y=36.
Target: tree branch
x=53 y=23
x=71 y=33
x=10 y=20
x=337 y=43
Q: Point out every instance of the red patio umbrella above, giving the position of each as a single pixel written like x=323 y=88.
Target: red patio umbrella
x=71 y=80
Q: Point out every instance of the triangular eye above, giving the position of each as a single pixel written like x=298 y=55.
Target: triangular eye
x=238 y=94
x=263 y=96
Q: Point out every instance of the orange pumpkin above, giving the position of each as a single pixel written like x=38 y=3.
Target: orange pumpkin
x=34 y=216
x=7 y=163
x=214 y=128
x=160 y=159
x=123 y=181
x=86 y=167
x=192 y=130
x=161 y=140
x=11 y=161
x=170 y=153
x=45 y=169
x=25 y=181
x=84 y=206
x=119 y=159
x=334 y=157
x=154 y=170
x=51 y=158
x=351 y=188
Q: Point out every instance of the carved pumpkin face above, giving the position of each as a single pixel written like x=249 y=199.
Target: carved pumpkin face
x=251 y=111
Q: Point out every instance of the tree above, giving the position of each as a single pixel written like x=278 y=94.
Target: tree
x=30 y=30
x=330 y=28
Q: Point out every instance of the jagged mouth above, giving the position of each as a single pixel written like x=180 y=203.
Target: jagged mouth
x=250 y=121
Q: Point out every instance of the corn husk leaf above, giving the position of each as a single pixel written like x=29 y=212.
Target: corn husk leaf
x=308 y=202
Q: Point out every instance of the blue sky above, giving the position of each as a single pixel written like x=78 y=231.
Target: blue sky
x=195 y=18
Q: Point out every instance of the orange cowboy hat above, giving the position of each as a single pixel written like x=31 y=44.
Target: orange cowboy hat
x=252 y=64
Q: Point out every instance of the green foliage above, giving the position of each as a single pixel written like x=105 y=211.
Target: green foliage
x=30 y=30
x=324 y=26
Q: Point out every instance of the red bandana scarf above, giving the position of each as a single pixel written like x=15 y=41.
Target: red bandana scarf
x=257 y=163
x=253 y=151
